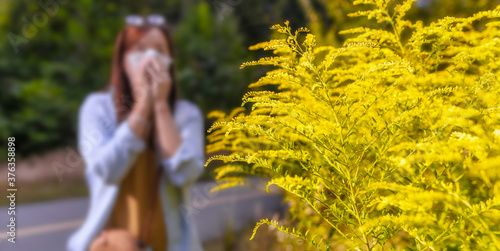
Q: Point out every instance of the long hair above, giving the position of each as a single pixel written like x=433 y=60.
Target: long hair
x=123 y=98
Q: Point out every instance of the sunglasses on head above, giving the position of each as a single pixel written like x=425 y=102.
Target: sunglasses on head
x=138 y=20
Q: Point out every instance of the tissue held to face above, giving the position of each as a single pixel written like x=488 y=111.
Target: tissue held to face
x=135 y=56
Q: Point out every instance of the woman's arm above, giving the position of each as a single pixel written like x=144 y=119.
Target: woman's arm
x=139 y=119
x=182 y=151
x=168 y=134
x=107 y=152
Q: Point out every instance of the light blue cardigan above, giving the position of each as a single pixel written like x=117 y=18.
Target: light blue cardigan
x=109 y=150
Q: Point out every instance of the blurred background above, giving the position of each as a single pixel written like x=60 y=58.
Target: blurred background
x=54 y=53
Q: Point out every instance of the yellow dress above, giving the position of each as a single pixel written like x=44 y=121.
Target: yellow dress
x=131 y=207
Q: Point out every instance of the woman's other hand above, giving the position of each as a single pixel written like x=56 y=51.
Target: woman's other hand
x=160 y=78
x=115 y=240
x=142 y=87
x=140 y=118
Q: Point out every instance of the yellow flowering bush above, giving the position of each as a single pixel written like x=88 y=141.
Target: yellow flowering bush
x=391 y=141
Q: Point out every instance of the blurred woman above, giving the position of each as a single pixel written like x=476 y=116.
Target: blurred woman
x=143 y=147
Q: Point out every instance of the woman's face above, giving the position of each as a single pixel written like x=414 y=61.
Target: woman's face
x=153 y=39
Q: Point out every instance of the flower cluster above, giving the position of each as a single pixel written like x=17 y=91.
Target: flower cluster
x=390 y=141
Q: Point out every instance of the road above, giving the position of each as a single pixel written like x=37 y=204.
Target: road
x=47 y=225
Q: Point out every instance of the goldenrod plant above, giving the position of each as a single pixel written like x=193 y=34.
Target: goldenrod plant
x=389 y=142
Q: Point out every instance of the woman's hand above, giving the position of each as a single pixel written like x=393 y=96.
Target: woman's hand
x=142 y=87
x=161 y=80
x=140 y=118
x=115 y=239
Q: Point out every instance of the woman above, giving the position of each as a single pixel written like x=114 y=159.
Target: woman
x=134 y=129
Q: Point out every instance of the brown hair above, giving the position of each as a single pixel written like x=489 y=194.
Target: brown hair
x=123 y=98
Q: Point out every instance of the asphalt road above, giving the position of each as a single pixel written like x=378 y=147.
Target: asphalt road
x=46 y=226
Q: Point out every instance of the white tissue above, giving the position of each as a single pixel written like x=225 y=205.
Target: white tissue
x=136 y=57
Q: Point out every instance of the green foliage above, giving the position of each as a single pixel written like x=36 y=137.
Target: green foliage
x=45 y=69
x=209 y=52
x=390 y=141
